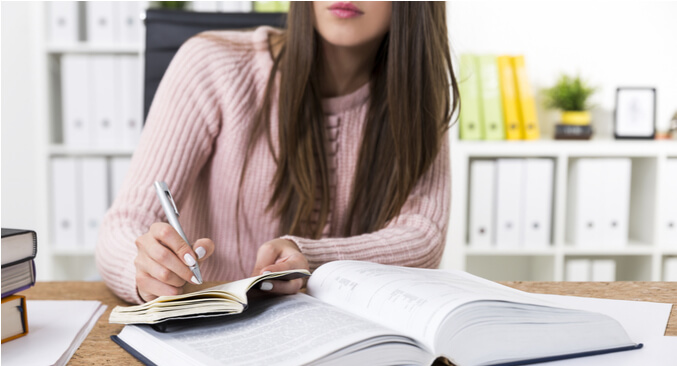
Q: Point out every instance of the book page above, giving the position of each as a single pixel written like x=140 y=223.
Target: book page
x=412 y=301
x=289 y=330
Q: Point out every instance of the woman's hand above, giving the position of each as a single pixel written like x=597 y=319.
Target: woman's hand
x=280 y=255
x=162 y=261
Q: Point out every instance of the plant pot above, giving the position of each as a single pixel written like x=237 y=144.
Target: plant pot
x=578 y=118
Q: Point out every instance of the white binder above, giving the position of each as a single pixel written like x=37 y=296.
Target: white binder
x=104 y=83
x=207 y=6
x=75 y=94
x=538 y=178
x=615 y=195
x=669 y=202
x=670 y=269
x=509 y=201
x=482 y=203
x=101 y=25
x=118 y=171
x=65 y=224
x=130 y=96
x=63 y=18
x=585 y=187
x=577 y=270
x=603 y=270
x=235 y=6
x=93 y=183
x=129 y=21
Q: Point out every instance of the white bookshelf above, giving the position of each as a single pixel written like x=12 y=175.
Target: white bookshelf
x=640 y=260
x=71 y=263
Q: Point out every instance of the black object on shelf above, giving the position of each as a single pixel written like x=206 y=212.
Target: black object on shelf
x=572 y=132
x=167 y=30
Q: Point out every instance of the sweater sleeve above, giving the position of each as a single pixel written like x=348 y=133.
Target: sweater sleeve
x=415 y=238
x=177 y=140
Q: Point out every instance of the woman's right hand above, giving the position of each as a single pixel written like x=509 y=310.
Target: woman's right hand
x=163 y=259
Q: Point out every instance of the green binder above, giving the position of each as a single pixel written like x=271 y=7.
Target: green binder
x=470 y=126
x=490 y=96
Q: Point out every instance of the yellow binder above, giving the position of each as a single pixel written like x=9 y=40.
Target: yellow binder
x=526 y=103
x=509 y=98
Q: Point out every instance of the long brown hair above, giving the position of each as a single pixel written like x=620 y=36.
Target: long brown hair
x=410 y=108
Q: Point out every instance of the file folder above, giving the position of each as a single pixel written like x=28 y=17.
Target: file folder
x=509 y=201
x=471 y=128
x=538 y=187
x=490 y=97
x=101 y=22
x=94 y=201
x=130 y=95
x=525 y=97
x=615 y=193
x=669 y=224
x=509 y=98
x=603 y=270
x=129 y=23
x=66 y=222
x=578 y=270
x=75 y=94
x=585 y=203
x=482 y=203
x=104 y=83
x=63 y=21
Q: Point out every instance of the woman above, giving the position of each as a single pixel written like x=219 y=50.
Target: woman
x=290 y=149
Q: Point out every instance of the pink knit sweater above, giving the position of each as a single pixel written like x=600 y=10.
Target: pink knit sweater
x=194 y=139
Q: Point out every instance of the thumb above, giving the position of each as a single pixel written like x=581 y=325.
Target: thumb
x=204 y=248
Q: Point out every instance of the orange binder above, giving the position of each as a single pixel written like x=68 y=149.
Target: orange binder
x=14 y=319
x=526 y=104
x=509 y=98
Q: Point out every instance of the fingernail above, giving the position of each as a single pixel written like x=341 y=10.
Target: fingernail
x=267 y=272
x=189 y=259
x=266 y=285
x=200 y=252
x=194 y=280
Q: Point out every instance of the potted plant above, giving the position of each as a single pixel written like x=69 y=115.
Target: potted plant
x=570 y=95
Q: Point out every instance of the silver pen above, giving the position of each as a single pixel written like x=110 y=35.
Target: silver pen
x=172 y=213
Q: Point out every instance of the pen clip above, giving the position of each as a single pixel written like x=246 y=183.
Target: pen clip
x=162 y=188
x=171 y=199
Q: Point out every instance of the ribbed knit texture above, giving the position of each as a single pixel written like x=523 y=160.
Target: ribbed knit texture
x=195 y=140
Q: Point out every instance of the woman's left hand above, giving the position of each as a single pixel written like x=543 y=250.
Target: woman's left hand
x=280 y=255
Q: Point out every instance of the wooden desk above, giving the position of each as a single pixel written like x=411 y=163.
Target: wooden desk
x=99 y=349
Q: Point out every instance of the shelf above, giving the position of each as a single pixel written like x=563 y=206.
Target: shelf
x=94 y=49
x=552 y=148
x=628 y=250
x=61 y=150
x=509 y=252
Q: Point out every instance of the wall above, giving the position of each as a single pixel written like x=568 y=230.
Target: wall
x=610 y=44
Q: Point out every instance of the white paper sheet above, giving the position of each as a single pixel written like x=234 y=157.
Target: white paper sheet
x=55 y=331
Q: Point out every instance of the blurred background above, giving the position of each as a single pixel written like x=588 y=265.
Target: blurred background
x=537 y=194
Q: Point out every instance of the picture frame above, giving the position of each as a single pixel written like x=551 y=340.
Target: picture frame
x=635 y=113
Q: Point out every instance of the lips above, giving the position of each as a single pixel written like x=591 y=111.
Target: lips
x=345 y=10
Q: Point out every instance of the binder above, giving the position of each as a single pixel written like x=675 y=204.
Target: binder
x=94 y=200
x=207 y=6
x=509 y=98
x=538 y=187
x=669 y=224
x=509 y=201
x=471 y=128
x=578 y=270
x=101 y=22
x=75 y=94
x=490 y=96
x=129 y=23
x=65 y=224
x=615 y=193
x=482 y=203
x=237 y=6
x=525 y=97
x=670 y=269
x=585 y=202
x=119 y=166
x=63 y=18
x=603 y=270
x=130 y=95
x=104 y=84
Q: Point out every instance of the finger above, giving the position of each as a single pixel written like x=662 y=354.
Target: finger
x=204 y=248
x=266 y=255
x=162 y=273
x=294 y=261
x=150 y=288
x=166 y=235
x=168 y=259
x=282 y=287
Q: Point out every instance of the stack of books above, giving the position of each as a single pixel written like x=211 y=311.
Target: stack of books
x=497 y=100
x=19 y=248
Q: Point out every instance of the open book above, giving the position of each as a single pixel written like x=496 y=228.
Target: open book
x=366 y=313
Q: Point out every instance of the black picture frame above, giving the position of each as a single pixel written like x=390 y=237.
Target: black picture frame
x=635 y=113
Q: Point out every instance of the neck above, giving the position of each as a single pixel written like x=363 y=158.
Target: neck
x=345 y=69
